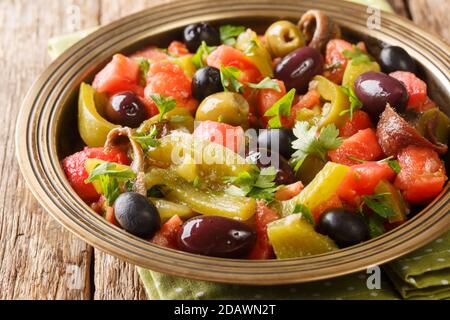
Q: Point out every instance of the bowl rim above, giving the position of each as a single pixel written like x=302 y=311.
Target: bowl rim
x=41 y=168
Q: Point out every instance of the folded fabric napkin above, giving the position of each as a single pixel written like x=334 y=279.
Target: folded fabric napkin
x=424 y=274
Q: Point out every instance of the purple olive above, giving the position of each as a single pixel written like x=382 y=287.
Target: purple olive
x=376 y=89
x=126 y=109
x=298 y=68
x=217 y=237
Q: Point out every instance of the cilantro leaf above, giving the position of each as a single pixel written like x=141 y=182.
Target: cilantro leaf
x=305 y=212
x=265 y=83
x=198 y=59
x=229 y=77
x=280 y=108
x=144 y=66
x=258 y=184
x=355 y=103
x=308 y=143
x=380 y=204
x=109 y=177
x=229 y=33
x=164 y=104
x=147 y=141
x=357 y=56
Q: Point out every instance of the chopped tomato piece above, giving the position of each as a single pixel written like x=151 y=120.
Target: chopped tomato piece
x=231 y=137
x=263 y=249
x=417 y=89
x=333 y=202
x=76 y=173
x=335 y=59
x=169 y=79
x=228 y=56
x=167 y=235
x=362 y=146
x=121 y=74
x=306 y=101
x=289 y=191
x=110 y=217
x=359 y=121
x=151 y=53
x=177 y=48
x=362 y=179
x=422 y=175
x=266 y=99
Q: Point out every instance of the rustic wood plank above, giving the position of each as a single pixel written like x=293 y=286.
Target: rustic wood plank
x=400 y=7
x=432 y=15
x=40 y=260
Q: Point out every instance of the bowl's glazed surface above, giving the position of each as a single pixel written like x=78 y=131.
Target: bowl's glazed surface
x=47 y=131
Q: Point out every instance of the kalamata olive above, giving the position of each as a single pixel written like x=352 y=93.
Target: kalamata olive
x=227 y=107
x=298 y=68
x=283 y=37
x=265 y=158
x=137 y=215
x=278 y=140
x=216 y=236
x=194 y=34
x=376 y=89
x=205 y=82
x=396 y=59
x=126 y=109
x=344 y=227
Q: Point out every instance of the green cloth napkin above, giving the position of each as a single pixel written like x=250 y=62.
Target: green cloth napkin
x=424 y=274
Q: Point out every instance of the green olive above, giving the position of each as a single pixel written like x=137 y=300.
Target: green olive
x=283 y=37
x=226 y=107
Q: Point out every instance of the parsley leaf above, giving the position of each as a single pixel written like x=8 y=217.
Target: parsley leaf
x=380 y=204
x=144 y=66
x=164 y=104
x=357 y=56
x=198 y=59
x=258 y=184
x=109 y=177
x=228 y=33
x=395 y=166
x=305 y=212
x=308 y=143
x=147 y=141
x=265 y=83
x=355 y=103
x=280 y=108
x=229 y=77
x=375 y=223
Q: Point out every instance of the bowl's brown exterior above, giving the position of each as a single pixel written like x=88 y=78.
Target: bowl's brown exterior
x=47 y=124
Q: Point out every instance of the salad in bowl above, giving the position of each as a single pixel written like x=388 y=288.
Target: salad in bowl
x=240 y=145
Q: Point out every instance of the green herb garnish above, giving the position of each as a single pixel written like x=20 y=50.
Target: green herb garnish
x=380 y=204
x=305 y=212
x=355 y=103
x=357 y=56
x=280 y=108
x=229 y=33
x=265 y=83
x=147 y=141
x=164 y=104
x=144 y=66
x=308 y=143
x=109 y=177
x=258 y=184
x=229 y=77
x=198 y=59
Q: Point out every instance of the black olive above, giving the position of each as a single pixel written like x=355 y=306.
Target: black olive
x=205 y=82
x=277 y=140
x=396 y=59
x=216 y=236
x=126 y=109
x=194 y=34
x=344 y=227
x=137 y=215
x=265 y=158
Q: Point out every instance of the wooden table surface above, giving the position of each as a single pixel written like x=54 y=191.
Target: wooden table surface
x=39 y=259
